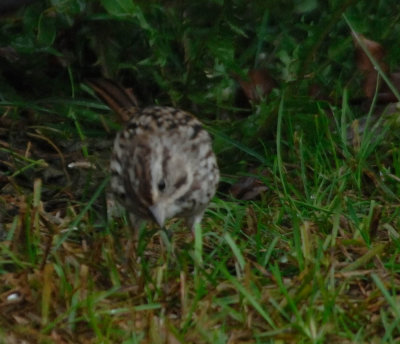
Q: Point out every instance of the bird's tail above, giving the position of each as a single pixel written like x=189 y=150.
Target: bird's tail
x=120 y=100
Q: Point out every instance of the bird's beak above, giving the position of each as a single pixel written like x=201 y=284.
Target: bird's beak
x=157 y=210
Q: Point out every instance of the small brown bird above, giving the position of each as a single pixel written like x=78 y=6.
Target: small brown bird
x=162 y=165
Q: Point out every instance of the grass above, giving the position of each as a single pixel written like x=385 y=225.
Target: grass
x=313 y=260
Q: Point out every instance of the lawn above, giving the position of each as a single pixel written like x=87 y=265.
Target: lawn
x=301 y=242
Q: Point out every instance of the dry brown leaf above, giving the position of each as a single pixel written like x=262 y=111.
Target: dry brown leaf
x=252 y=221
x=248 y=188
x=375 y=49
x=369 y=86
x=365 y=65
x=386 y=95
x=258 y=85
x=374 y=225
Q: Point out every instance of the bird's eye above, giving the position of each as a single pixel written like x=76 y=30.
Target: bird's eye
x=161 y=185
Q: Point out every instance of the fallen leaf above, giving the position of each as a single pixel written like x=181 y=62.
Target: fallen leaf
x=248 y=188
x=374 y=48
x=365 y=65
x=258 y=84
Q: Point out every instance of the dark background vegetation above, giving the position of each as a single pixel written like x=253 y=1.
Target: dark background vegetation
x=312 y=257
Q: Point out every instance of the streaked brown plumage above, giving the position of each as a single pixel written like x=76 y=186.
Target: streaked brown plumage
x=162 y=164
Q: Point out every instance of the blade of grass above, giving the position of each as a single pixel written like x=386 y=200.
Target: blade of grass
x=237 y=144
x=74 y=223
x=374 y=251
x=268 y=254
x=248 y=296
x=236 y=251
x=198 y=245
x=372 y=59
x=46 y=292
x=279 y=146
x=393 y=303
